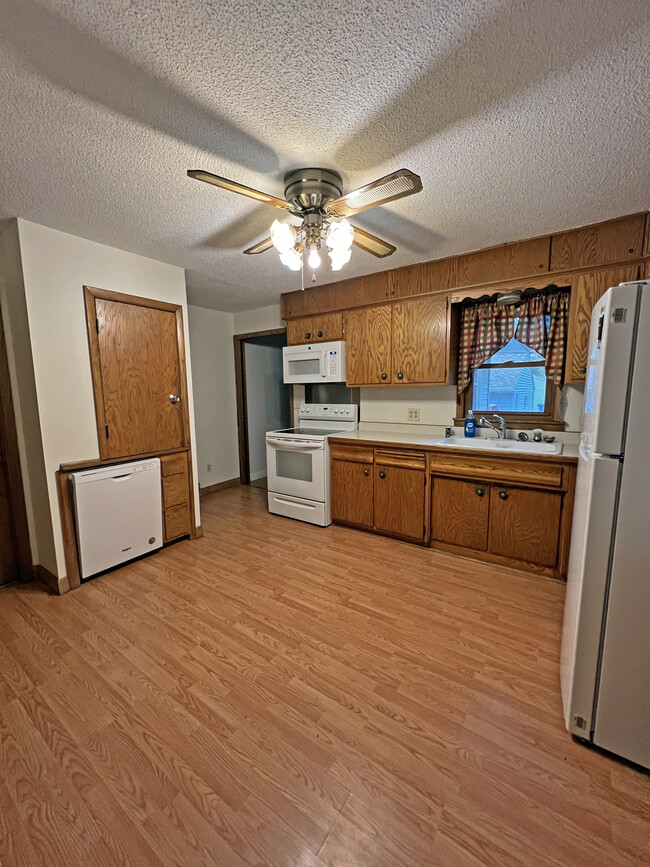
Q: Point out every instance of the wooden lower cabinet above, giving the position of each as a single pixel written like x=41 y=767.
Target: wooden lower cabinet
x=351 y=483
x=176 y=495
x=399 y=501
x=459 y=513
x=525 y=524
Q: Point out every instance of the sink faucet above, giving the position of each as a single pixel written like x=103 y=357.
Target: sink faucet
x=500 y=428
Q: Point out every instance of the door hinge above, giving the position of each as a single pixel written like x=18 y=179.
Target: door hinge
x=106 y=431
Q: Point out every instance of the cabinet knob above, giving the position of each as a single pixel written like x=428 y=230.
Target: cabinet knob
x=382 y=475
x=480 y=492
x=366 y=472
x=400 y=375
x=308 y=335
x=384 y=376
x=503 y=495
x=583 y=370
x=320 y=333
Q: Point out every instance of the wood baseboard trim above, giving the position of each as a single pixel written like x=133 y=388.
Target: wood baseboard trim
x=56 y=585
x=220 y=486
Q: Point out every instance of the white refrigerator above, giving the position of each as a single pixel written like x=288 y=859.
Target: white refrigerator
x=605 y=668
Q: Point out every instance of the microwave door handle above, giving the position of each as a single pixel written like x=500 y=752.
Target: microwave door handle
x=324 y=364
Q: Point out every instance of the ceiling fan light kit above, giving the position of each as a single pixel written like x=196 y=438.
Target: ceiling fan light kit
x=314 y=195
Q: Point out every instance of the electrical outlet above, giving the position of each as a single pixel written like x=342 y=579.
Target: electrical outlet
x=413 y=414
x=209 y=468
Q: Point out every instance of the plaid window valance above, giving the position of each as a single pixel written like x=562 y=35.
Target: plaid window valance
x=542 y=324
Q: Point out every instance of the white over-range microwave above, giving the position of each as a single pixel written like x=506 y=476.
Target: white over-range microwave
x=314 y=362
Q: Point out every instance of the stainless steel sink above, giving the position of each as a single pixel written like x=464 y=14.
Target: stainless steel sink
x=493 y=444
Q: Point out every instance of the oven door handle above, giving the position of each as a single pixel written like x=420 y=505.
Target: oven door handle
x=292 y=445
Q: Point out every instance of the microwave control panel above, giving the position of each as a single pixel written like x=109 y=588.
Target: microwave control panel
x=333 y=362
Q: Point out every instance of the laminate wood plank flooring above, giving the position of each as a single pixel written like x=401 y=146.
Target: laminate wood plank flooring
x=287 y=695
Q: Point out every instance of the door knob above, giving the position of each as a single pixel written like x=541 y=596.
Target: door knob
x=174 y=398
x=503 y=495
x=480 y=492
x=382 y=475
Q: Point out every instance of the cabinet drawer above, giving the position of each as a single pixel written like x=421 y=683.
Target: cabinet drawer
x=172 y=464
x=506 y=469
x=177 y=521
x=175 y=490
x=401 y=458
x=359 y=454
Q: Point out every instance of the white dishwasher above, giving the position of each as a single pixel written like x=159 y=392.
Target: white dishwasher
x=118 y=512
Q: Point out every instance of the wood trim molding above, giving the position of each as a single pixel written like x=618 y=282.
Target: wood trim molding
x=240 y=394
x=269 y=333
x=14 y=470
x=56 y=585
x=66 y=510
x=220 y=486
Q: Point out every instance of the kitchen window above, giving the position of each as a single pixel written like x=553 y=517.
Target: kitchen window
x=511 y=359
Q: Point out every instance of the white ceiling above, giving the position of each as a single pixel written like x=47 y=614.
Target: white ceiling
x=521 y=118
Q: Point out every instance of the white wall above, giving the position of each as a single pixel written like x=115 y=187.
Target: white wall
x=261 y=319
x=215 y=402
x=55 y=268
x=266 y=399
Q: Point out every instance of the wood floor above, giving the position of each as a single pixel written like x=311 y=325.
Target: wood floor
x=279 y=694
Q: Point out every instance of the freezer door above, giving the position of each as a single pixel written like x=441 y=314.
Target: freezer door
x=609 y=368
x=591 y=535
x=623 y=702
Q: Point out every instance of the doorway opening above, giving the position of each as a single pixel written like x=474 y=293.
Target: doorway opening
x=15 y=553
x=264 y=402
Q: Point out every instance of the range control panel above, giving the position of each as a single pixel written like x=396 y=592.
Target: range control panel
x=329 y=411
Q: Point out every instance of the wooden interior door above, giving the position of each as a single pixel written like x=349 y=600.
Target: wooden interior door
x=584 y=295
x=399 y=501
x=459 y=513
x=420 y=340
x=368 y=345
x=141 y=393
x=525 y=524
x=351 y=492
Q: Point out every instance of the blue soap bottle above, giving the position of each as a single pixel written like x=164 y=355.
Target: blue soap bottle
x=470 y=424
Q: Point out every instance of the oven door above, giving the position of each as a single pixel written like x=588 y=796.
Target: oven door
x=296 y=467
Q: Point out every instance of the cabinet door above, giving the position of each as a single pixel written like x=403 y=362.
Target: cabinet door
x=351 y=492
x=399 y=501
x=315 y=329
x=141 y=379
x=420 y=340
x=459 y=513
x=585 y=292
x=368 y=345
x=525 y=524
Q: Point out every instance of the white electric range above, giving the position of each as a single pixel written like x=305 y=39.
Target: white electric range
x=298 y=461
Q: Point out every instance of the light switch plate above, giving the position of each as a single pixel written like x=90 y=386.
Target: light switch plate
x=413 y=414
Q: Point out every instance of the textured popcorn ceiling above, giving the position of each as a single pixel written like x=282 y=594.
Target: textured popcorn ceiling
x=521 y=117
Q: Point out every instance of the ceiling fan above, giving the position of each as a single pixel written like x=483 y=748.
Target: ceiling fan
x=315 y=197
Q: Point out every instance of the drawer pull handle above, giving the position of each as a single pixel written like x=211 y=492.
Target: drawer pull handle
x=503 y=495
x=480 y=492
x=382 y=475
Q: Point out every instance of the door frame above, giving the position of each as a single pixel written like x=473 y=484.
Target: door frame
x=240 y=388
x=15 y=490
x=90 y=295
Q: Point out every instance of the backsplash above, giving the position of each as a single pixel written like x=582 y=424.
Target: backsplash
x=387 y=408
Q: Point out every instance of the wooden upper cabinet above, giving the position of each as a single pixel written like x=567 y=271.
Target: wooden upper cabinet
x=585 y=292
x=590 y=246
x=521 y=259
x=138 y=375
x=399 y=500
x=420 y=340
x=423 y=278
x=525 y=524
x=459 y=513
x=315 y=329
x=367 y=333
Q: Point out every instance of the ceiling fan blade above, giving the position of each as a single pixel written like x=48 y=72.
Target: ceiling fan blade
x=387 y=189
x=261 y=247
x=372 y=244
x=234 y=187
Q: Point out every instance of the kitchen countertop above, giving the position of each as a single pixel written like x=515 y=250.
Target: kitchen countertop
x=371 y=437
